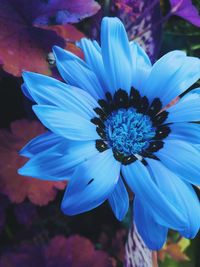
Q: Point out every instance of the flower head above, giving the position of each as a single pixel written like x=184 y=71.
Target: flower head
x=107 y=125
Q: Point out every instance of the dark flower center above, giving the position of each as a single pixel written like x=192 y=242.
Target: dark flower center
x=128 y=132
x=132 y=127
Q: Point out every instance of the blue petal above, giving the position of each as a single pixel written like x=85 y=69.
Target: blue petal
x=93 y=57
x=141 y=66
x=66 y=124
x=184 y=111
x=182 y=158
x=91 y=183
x=76 y=72
x=41 y=143
x=116 y=54
x=180 y=193
x=142 y=184
x=171 y=76
x=189 y=132
x=26 y=92
x=49 y=91
x=139 y=56
x=153 y=234
x=54 y=164
x=193 y=94
x=47 y=166
x=119 y=200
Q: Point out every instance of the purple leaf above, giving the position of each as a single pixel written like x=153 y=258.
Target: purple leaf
x=62 y=12
x=186 y=10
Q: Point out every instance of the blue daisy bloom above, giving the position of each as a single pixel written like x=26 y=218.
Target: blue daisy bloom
x=107 y=128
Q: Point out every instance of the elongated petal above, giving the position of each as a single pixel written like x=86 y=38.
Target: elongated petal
x=46 y=166
x=77 y=72
x=180 y=193
x=116 y=54
x=182 y=158
x=91 y=184
x=41 y=143
x=191 y=95
x=49 y=91
x=161 y=72
x=119 y=200
x=182 y=79
x=26 y=92
x=93 y=57
x=66 y=124
x=185 y=111
x=142 y=184
x=153 y=234
x=189 y=132
x=139 y=56
x=141 y=66
x=172 y=75
x=54 y=165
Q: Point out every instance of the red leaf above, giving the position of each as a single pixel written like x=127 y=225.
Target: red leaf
x=70 y=34
x=15 y=186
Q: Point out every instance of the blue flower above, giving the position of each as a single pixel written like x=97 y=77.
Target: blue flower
x=107 y=126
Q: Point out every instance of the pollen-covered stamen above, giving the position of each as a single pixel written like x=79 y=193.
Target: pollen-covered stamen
x=98 y=122
x=154 y=146
x=102 y=115
x=121 y=99
x=101 y=145
x=135 y=98
x=160 y=118
x=109 y=98
x=128 y=132
x=162 y=132
x=101 y=133
x=105 y=106
x=155 y=107
x=124 y=159
x=148 y=154
x=143 y=106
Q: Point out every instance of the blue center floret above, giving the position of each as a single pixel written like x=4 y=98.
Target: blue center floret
x=128 y=131
x=131 y=126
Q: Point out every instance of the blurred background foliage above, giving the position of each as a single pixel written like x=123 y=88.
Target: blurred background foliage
x=31 y=223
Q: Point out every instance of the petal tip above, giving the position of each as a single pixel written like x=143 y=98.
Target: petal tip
x=57 y=50
x=22 y=171
x=24 y=153
x=66 y=209
x=38 y=110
